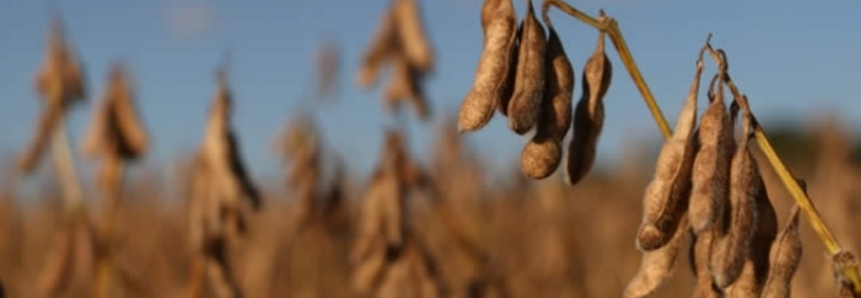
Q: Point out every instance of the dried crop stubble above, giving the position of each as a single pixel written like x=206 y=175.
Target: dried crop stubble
x=784 y=257
x=666 y=198
x=710 y=191
x=492 y=74
x=70 y=267
x=525 y=104
x=736 y=227
x=589 y=115
x=657 y=266
x=542 y=155
x=381 y=229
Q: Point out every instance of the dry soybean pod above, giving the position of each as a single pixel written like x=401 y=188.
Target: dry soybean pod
x=525 y=104
x=699 y=254
x=735 y=230
x=487 y=12
x=656 y=266
x=490 y=78
x=507 y=88
x=411 y=33
x=133 y=135
x=542 y=155
x=588 y=115
x=383 y=45
x=666 y=199
x=712 y=164
x=753 y=277
x=784 y=257
x=405 y=86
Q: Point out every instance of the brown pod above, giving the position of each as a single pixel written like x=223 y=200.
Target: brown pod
x=752 y=279
x=784 y=257
x=700 y=250
x=222 y=152
x=756 y=269
x=133 y=136
x=383 y=45
x=493 y=66
x=61 y=77
x=589 y=115
x=405 y=86
x=116 y=127
x=525 y=104
x=382 y=208
x=656 y=266
x=60 y=81
x=413 y=38
x=735 y=230
x=543 y=153
x=666 y=199
x=507 y=88
x=710 y=191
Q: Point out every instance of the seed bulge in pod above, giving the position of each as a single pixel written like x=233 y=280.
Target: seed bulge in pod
x=543 y=153
x=490 y=78
x=666 y=199
x=589 y=115
x=710 y=191
x=525 y=104
x=656 y=266
x=736 y=228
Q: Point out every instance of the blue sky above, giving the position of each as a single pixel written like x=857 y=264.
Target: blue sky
x=791 y=59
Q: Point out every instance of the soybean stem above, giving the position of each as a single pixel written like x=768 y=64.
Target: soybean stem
x=611 y=28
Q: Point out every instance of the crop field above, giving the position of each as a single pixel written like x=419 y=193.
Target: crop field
x=723 y=206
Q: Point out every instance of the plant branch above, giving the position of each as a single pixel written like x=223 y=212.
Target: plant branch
x=611 y=27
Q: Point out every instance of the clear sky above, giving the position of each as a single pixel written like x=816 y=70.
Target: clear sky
x=791 y=58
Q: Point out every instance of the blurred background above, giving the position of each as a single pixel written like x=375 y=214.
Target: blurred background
x=796 y=61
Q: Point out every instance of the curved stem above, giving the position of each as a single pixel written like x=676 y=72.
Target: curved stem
x=611 y=27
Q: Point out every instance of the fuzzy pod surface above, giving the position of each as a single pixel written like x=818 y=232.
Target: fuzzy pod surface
x=588 y=115
x=710 y=191
x=543 y=154
x=666 y=197
x=525 y=104
x=493 y=67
